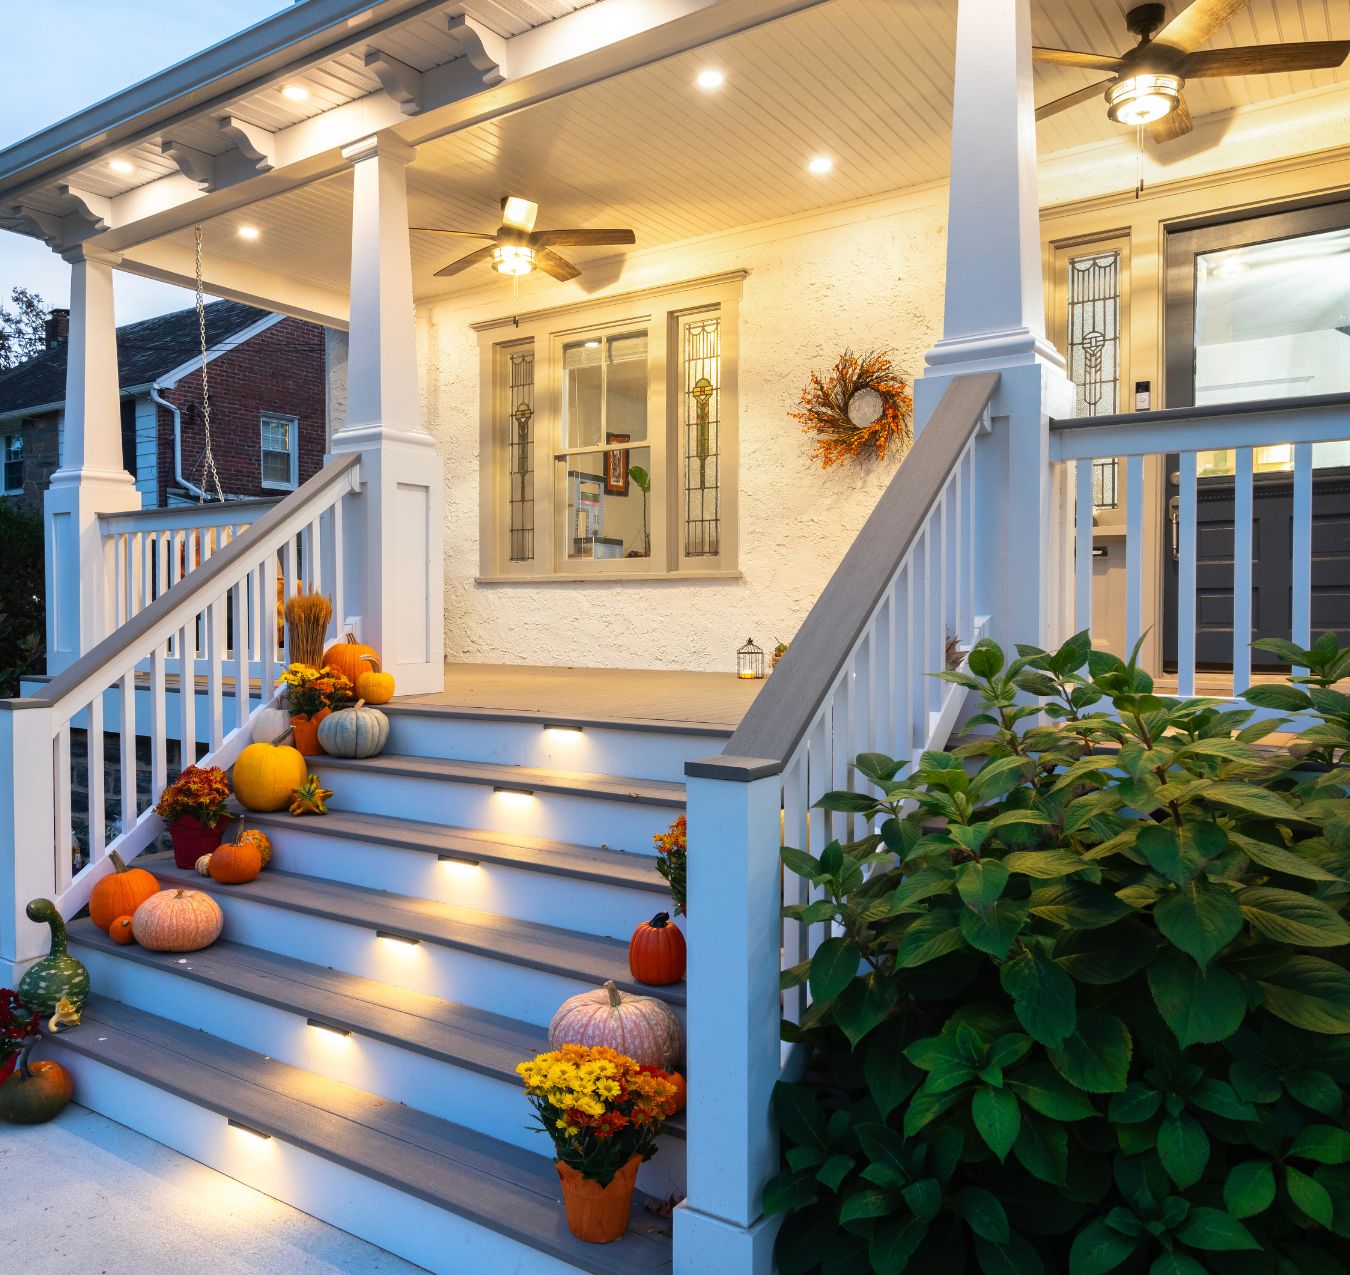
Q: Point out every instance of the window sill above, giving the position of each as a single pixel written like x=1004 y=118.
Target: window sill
x=623 y=577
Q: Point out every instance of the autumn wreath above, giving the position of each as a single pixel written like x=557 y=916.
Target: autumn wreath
x=861 y=410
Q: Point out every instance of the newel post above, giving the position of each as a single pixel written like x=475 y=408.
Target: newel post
x=394 y=563
x=27 y=802
x=734 y=1015
x=91 y=479
x=994 y=320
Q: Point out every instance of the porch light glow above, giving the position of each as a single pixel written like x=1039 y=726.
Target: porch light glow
x=121 y=166
x=710 y=79
x=295 y=92
x=1142 y=99
x=820 y=165
x=248 y=232
x=510 y=258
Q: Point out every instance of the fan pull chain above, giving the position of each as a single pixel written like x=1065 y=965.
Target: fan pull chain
x=1139 y=162
x=208 y=457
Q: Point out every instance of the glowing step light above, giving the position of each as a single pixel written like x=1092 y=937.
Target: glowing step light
x=248 y=1129
x=331 y=1028
x=406 y=939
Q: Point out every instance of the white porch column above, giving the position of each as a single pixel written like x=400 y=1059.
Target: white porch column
x=91 y=479
x=394 y=557
x=994 y=319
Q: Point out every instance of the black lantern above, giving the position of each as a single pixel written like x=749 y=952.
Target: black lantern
x=750 y=660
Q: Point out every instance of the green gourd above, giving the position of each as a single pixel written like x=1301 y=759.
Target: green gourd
x=58 y=973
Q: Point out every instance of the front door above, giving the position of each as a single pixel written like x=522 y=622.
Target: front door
x=1259 y=308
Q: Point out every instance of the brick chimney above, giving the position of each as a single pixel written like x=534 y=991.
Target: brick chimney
x=57 y=328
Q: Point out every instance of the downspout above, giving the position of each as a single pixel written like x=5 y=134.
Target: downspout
x=178 y=475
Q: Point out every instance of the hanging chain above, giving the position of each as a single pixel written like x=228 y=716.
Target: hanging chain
x=208 y=457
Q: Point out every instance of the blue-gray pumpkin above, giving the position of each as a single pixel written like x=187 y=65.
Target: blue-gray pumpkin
x=358 y=731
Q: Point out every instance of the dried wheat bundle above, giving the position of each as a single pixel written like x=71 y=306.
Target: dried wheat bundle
x=307 y=617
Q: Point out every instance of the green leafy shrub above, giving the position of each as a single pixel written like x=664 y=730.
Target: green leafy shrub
x=1084 y=1006
x=22 y=596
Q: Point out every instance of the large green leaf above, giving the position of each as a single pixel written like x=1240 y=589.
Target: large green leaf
x=928 y=937
x=1282 y=698
x=867 y=1202
x=1214 y=1231
x=1183 y=1148
x=1042 y=1149
x=865 y=1004
x=1322 y=1142
x=1200 y=1006
x=1311 y=993
x=1286 y=916
x=997 y=1117
x=994 y=930
x=893 y=1243
x=1016 y=1257
x=1252 y=799
x=1175 y=1263
x=797 y=1110
x=980 y=882
x=890 y=1076
x=1046 y=863
x=1098 y=1249
x=982 y=1213
x=833 y=968
x=1161 y=850
x=985 y=659
x=1042 y=995
x=1278 y=859
x=1096 y=1057
x=1309 y=1196
x=1078 y=905
x=1200 y=918
x=1250 y=1188
x=1045 y=1091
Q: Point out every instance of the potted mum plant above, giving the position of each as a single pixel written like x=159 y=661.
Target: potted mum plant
x=18 y=1024
x=671 y=848
x=194 y=808
x=313 y=693
x=603 y=1112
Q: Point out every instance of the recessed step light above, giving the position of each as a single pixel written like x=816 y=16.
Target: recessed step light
x=458 y=858
x=248 y=1129
x=507 y=791
x=331 y=1028
x=406 y=939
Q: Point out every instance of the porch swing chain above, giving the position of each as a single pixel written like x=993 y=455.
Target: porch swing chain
x=208 y=456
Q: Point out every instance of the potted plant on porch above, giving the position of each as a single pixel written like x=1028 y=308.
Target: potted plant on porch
x=311 y=694
x=194 y=808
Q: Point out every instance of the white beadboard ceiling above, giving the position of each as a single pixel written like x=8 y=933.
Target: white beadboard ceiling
x=866 y=81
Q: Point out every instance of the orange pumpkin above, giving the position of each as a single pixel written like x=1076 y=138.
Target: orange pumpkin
x=36 y=1091
x=120 y=931
x=348 y=658
x=656 y=952
x=120 y=893
x=235 y=862
x=681 y=1089
x=177 y=921
x=256 y=837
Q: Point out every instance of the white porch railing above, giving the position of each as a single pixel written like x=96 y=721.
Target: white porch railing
x=1238 y=428
x=225 y=611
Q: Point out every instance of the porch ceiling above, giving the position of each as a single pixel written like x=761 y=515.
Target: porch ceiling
x=649 y=150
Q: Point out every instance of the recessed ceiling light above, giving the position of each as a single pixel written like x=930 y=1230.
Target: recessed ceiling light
x=248 y=232
x=121 y=166
x=710 y=79
x=295 y=92
x=820 y=165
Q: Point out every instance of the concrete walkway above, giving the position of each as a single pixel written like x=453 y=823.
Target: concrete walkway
x=85 y=1196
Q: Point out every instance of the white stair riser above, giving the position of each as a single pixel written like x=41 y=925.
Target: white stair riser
x=415 y=1230
x=582 y=820
x=469 y=978
x=590 y=907
x=596 y=750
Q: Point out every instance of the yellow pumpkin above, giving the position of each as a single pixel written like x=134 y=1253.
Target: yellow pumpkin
x=375 y=686
x=265 y=774
x=348 y=657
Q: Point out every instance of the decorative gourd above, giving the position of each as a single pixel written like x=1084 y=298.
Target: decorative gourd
x=235 y=862
x=120 y=893
x=357 y=731
x=348 y=657
x=309 y=798
x=656 y=952
x=642 y=1027
x=177 y=921
x=203 y=866
x=375 y=686
x=35 y=1092
x=256 y=837
x=120 y=931
x=264 y=775
x=58 y=973
x=269 y=724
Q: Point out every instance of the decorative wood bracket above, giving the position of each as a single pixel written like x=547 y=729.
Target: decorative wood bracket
x=197 y=166
x=35 y=223
x=402 y=82
x=485 y=49
x=252 y=150
x=255 y=146
x=83 y=215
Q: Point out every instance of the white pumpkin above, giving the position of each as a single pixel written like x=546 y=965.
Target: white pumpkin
x=644 y=1028
x=269 y=723
x=358 y=731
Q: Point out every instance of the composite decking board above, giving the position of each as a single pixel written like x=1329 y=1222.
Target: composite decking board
x=508 y=1190
x=613 y=867
x=414 y=706
x=607 y=787
x=588 y=957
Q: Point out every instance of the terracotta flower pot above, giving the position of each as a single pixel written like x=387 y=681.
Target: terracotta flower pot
x=306 y=730
x=598 y=1214
x=192 y=839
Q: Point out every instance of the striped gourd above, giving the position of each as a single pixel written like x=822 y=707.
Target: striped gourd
x=58 y=974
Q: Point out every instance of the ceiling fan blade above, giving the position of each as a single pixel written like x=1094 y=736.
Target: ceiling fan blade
x=1256 y=59
x=1069 y=57
x=1071 y=99
x=1196 y=23
x=465 y=262
x=579 y=238
x=554 y=266
x=1170 y=127
x=460 y=234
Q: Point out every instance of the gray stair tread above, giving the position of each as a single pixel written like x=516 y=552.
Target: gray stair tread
x=429 y=706
x=586 y=957
x=651 y=792
x=493 y=1184
x=537 y=854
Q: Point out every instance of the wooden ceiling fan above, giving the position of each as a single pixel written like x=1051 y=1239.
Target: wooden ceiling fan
x=518 y=248
x=1145 y=87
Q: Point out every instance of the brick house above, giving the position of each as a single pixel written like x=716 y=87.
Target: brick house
x=268 y=405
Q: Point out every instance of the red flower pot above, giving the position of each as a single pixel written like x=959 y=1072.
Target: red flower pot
x=192 y=839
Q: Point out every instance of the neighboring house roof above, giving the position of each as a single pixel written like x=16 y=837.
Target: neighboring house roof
x=146 y=352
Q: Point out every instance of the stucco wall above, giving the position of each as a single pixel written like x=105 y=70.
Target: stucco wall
x=864 y=277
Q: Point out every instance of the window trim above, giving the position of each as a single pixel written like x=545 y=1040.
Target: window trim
x=658 y=310
x=264 y=482
x=23 y=457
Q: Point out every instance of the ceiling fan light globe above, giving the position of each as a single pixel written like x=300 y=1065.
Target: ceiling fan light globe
x=1137 y=100
x=513 y=259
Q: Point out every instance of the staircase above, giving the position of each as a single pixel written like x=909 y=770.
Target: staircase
x=349 y=1044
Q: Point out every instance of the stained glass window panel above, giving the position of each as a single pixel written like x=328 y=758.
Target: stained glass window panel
x=519 y=425
x=700 y=408
x=1094 y=353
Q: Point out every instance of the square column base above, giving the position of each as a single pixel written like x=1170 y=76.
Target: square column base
x=704 y=1244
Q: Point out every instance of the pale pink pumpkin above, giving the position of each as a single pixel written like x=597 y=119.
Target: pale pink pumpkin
x=177 y=921
x=642 y=1027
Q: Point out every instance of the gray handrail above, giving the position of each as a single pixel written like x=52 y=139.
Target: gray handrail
x=1207 y=411
x=179 y=517
x=781 y=714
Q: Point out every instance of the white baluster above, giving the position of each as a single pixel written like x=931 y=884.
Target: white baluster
x=1301 y=557
x=187 y=695
x=93 y=751
x=1082 y=560
x=159 y=722
x=127 y=749
x=1242 y=569
x=65 y=837
x=1134 y=551
x=215 y=671
x=1187 y=518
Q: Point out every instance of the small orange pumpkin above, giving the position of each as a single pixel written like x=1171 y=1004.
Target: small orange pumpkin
x=235 y=862
x=681 y=1089
x=120 y=893
x=348 y=658
x=120 y=931
x=36 y=1091
x=656 y=952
